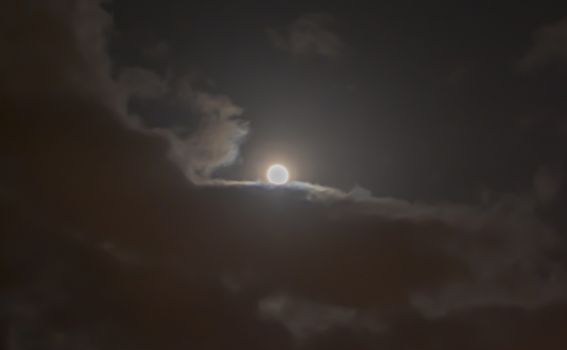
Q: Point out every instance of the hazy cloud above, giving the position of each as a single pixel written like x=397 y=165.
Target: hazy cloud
x=142 y=83
x=310 y=35
x=549 y=45
x=304 y=319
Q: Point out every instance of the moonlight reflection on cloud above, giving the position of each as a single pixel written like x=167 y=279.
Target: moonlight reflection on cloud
x=277 y=174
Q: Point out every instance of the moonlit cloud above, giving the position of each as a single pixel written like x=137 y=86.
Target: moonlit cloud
x=215 y=140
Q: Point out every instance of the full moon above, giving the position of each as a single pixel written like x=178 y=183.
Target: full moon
x=277 y=174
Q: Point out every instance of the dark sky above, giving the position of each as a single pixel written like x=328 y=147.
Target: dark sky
x=426 y=144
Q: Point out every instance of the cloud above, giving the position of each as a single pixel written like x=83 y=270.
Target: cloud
x=142 y=83
x=199 y=148
x=549 y=45
x=310 y=35
x=215 y=141
x=77 y=59
x=106 y=244
x=500 y=254
x=305 y=319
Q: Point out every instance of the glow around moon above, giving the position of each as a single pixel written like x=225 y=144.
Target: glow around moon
x=277 y=174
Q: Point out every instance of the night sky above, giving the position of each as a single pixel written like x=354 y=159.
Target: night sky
x=426 y=145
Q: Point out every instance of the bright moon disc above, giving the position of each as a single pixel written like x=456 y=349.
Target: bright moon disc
x=278 y=174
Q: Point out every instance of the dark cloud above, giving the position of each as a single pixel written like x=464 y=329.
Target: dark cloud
x=106 y=244
x=310 y=35
x=549 y=45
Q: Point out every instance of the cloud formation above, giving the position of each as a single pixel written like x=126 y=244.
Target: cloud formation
x=210 y=143
x=310 y=35
x=216 y=141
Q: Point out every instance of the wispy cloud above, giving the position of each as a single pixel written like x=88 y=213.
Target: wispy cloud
x=214 y=140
